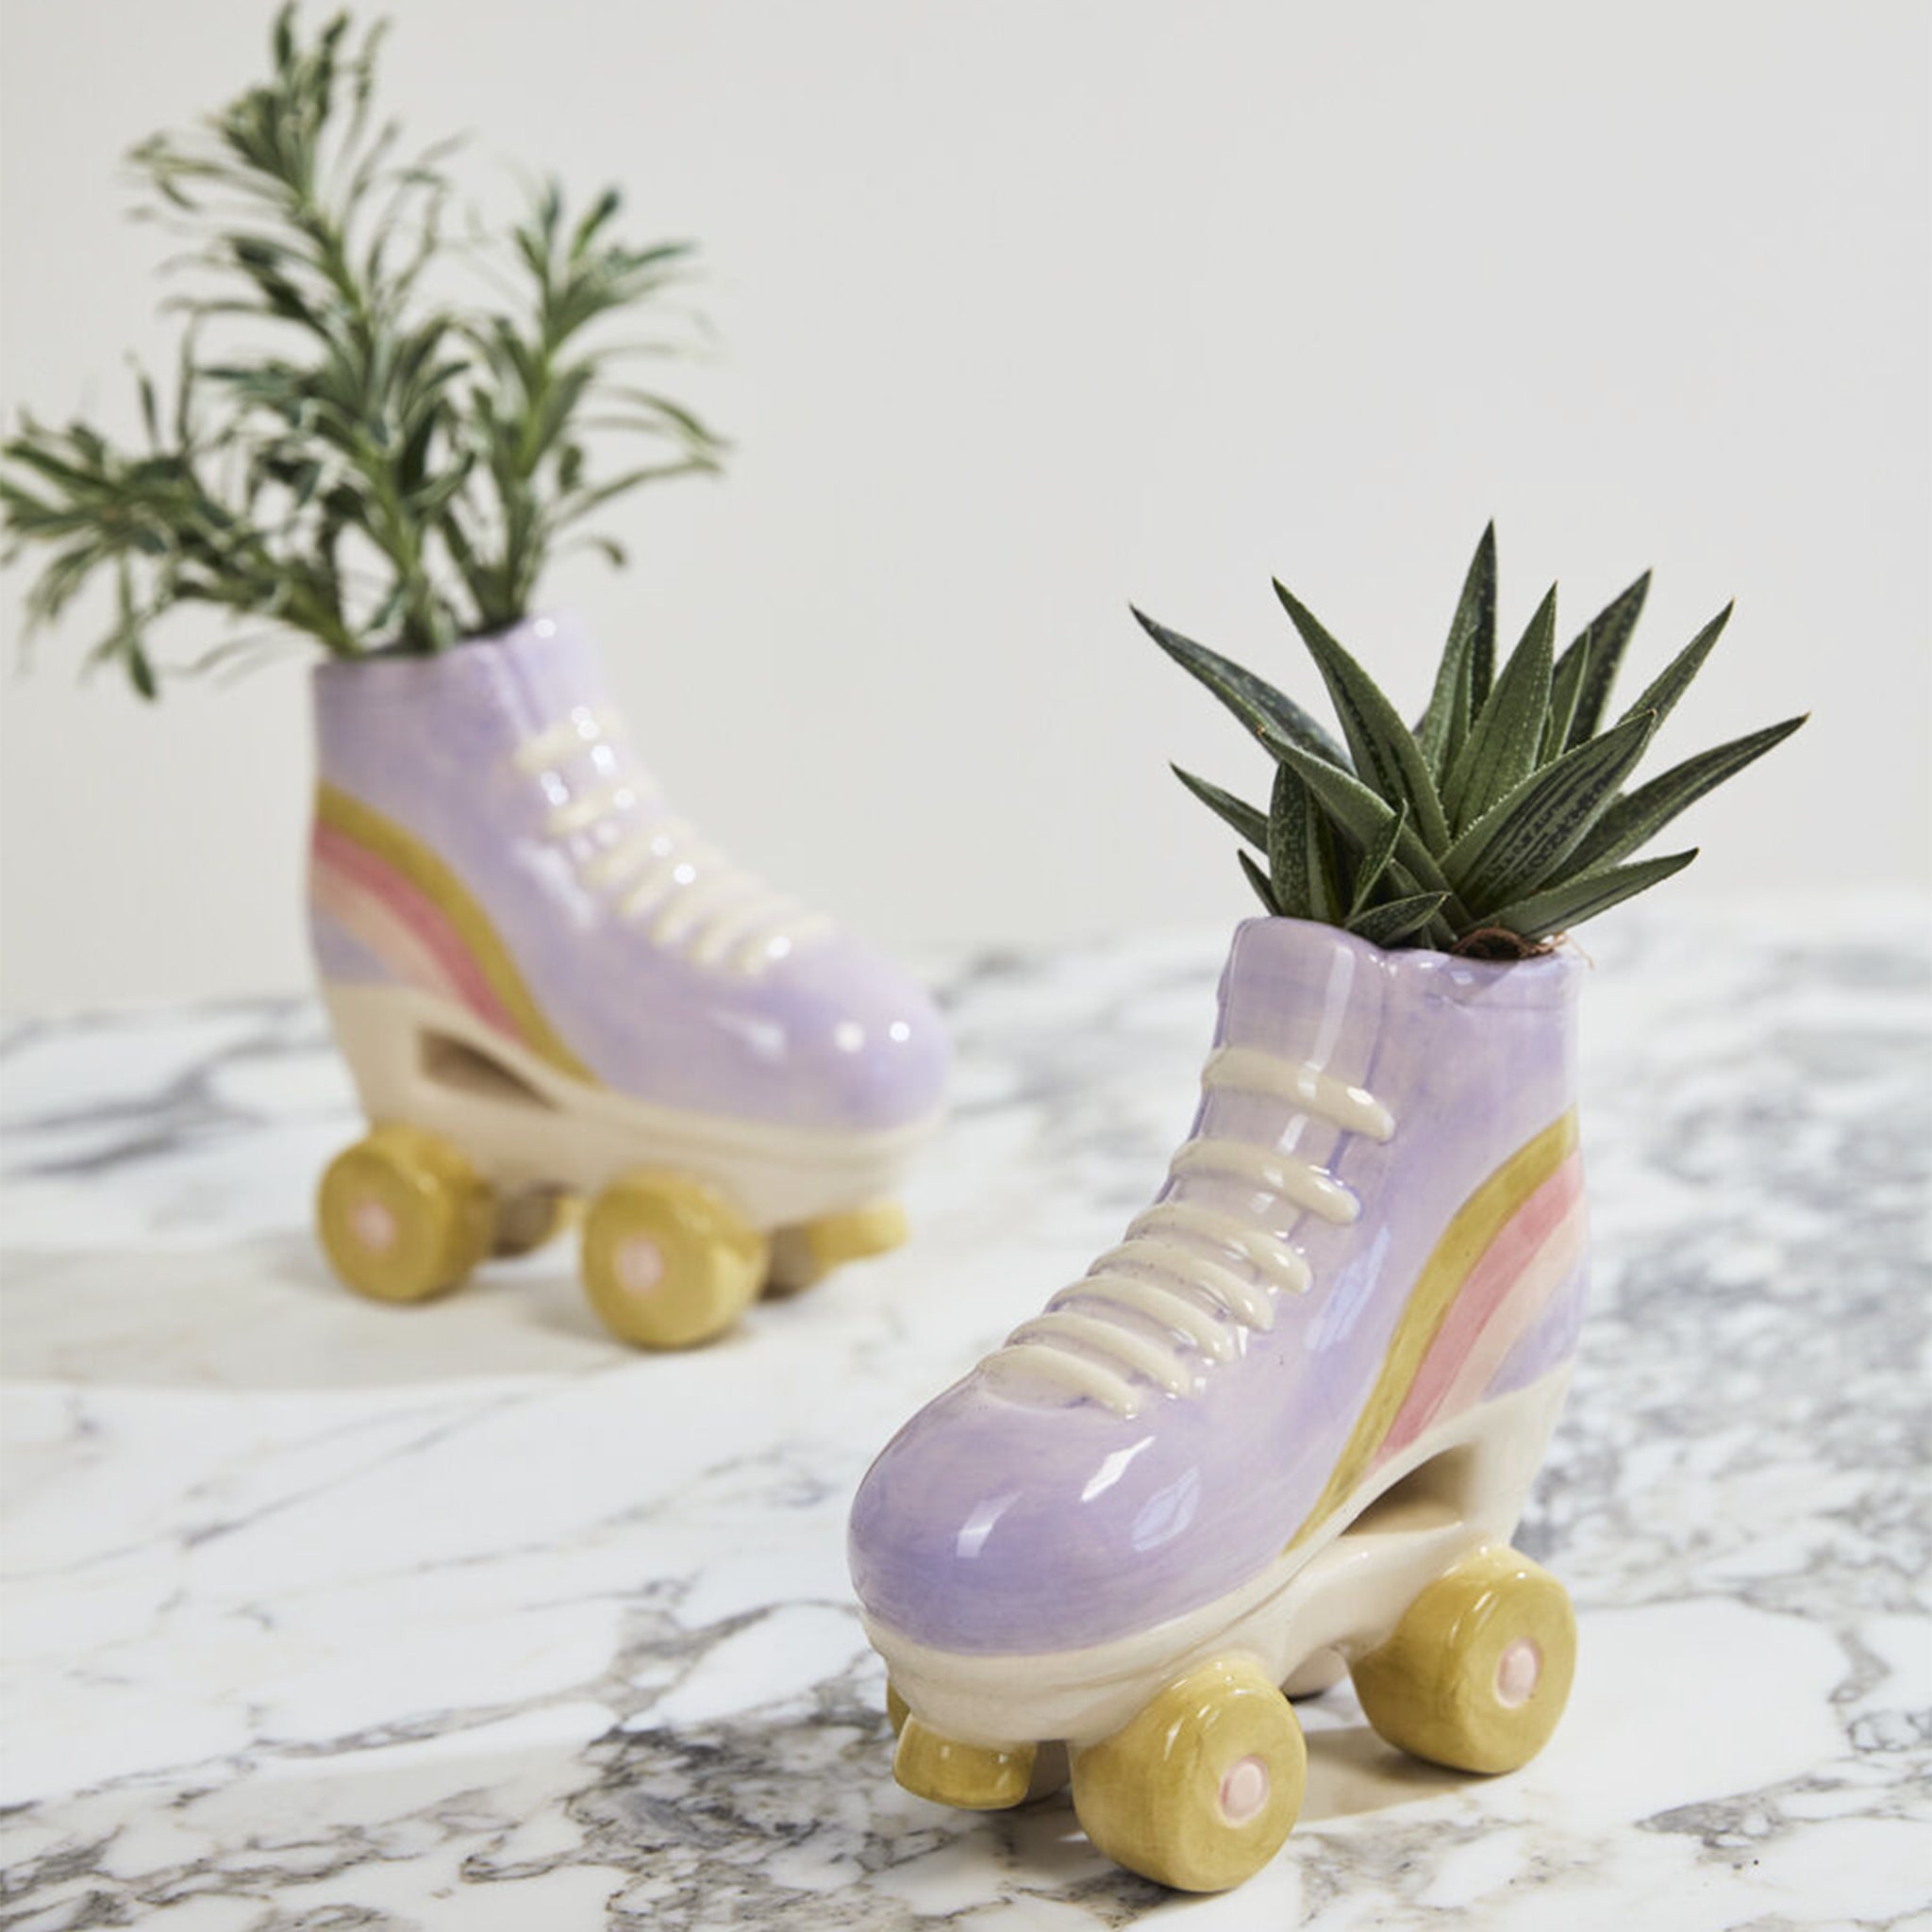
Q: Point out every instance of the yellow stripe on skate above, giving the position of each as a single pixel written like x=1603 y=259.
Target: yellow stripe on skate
x=1464 y=1241
x=416 y=862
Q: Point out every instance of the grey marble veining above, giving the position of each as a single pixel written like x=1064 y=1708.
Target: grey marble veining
x=317 y=1615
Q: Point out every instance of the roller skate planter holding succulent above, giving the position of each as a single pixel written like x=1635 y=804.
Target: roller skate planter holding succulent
x=549 y=987
x=1288 y=1426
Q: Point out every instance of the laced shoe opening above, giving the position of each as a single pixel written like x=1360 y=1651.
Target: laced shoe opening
x=659 y=871
x=1158 y=1312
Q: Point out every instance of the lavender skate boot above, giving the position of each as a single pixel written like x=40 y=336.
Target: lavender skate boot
x=550 y=989
x=1290 y=1422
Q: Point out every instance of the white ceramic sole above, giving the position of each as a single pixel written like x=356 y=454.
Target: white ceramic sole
x=522 y=1125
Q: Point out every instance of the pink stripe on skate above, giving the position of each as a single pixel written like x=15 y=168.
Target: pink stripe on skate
x=373 y=927
x=1550 y=1221
x=425 y=924
x=1553 y=1265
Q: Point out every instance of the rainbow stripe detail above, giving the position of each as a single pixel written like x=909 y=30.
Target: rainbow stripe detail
x=1503 y=1256
x=398 y=900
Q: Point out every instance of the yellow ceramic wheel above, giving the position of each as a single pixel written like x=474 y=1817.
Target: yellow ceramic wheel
x=1201 y=1789
x=1478 y=1671
x=971 y=1777
x=668 y=1261
x=805 y=1254
x=403 y=1215
x=529 y=1221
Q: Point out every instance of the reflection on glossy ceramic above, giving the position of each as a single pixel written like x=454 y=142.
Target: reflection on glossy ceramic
x=534 y=965
x=1314 y=1378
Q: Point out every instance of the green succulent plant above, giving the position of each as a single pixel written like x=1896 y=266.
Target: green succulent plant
x=370 y=464
x=1499 y=821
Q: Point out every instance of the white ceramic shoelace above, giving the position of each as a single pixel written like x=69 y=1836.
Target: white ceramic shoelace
x=695 y=899
x=1169 y=1287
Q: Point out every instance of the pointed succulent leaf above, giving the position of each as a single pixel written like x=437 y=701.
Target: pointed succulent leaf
x=1361 y=817
x=1472 y=633
x=1266 y=713
x=1287 y=844
x=1674 y=680
x=1327 y=890
x=1505 y=738
x=1385 y=751
x=1566 y=687
x=1482 y=645
x=1249 y=823
x=1401 y=884
x=1519 y=842
x=1375 y=862
x=1633 y=821
x=1599 y=646
x=1258 y=880
x=1557 y=908
x=1396 y=919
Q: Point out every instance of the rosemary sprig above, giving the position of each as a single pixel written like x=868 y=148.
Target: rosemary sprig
x=367 y=466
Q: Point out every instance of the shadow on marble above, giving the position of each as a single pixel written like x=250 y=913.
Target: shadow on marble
x=267 y=1314
x=1352 y=1772
x=841 y=1844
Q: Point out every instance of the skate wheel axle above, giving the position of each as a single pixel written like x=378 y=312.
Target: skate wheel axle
x=805 y=1254
x=971 y=1777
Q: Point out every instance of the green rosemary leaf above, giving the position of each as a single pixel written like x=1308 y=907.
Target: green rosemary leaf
x=450 y=435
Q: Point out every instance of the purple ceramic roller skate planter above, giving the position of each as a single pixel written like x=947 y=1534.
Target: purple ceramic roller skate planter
x=550 y=989
x=1291 y=1422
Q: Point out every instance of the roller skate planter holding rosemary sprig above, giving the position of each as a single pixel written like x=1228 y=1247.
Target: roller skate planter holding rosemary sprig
x=1288 y=1426
x=549 y=989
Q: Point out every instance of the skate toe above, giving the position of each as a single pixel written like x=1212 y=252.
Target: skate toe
x=985 y=1527
x=868 y=1045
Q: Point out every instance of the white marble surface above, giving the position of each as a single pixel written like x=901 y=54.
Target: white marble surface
x=320 y=1615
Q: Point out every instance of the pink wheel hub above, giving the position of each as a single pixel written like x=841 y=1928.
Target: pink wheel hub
x=1245 y=1790
x=1518 y=1670
x=638 y=1264
x=374 y=1225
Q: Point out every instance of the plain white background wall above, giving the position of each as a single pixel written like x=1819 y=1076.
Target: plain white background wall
x=1028 y=310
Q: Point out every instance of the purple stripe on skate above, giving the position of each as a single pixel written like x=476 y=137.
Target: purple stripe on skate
x=1551 y=1342
x=340 y=957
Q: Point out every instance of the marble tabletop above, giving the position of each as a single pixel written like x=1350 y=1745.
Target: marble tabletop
x=319 y=1614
